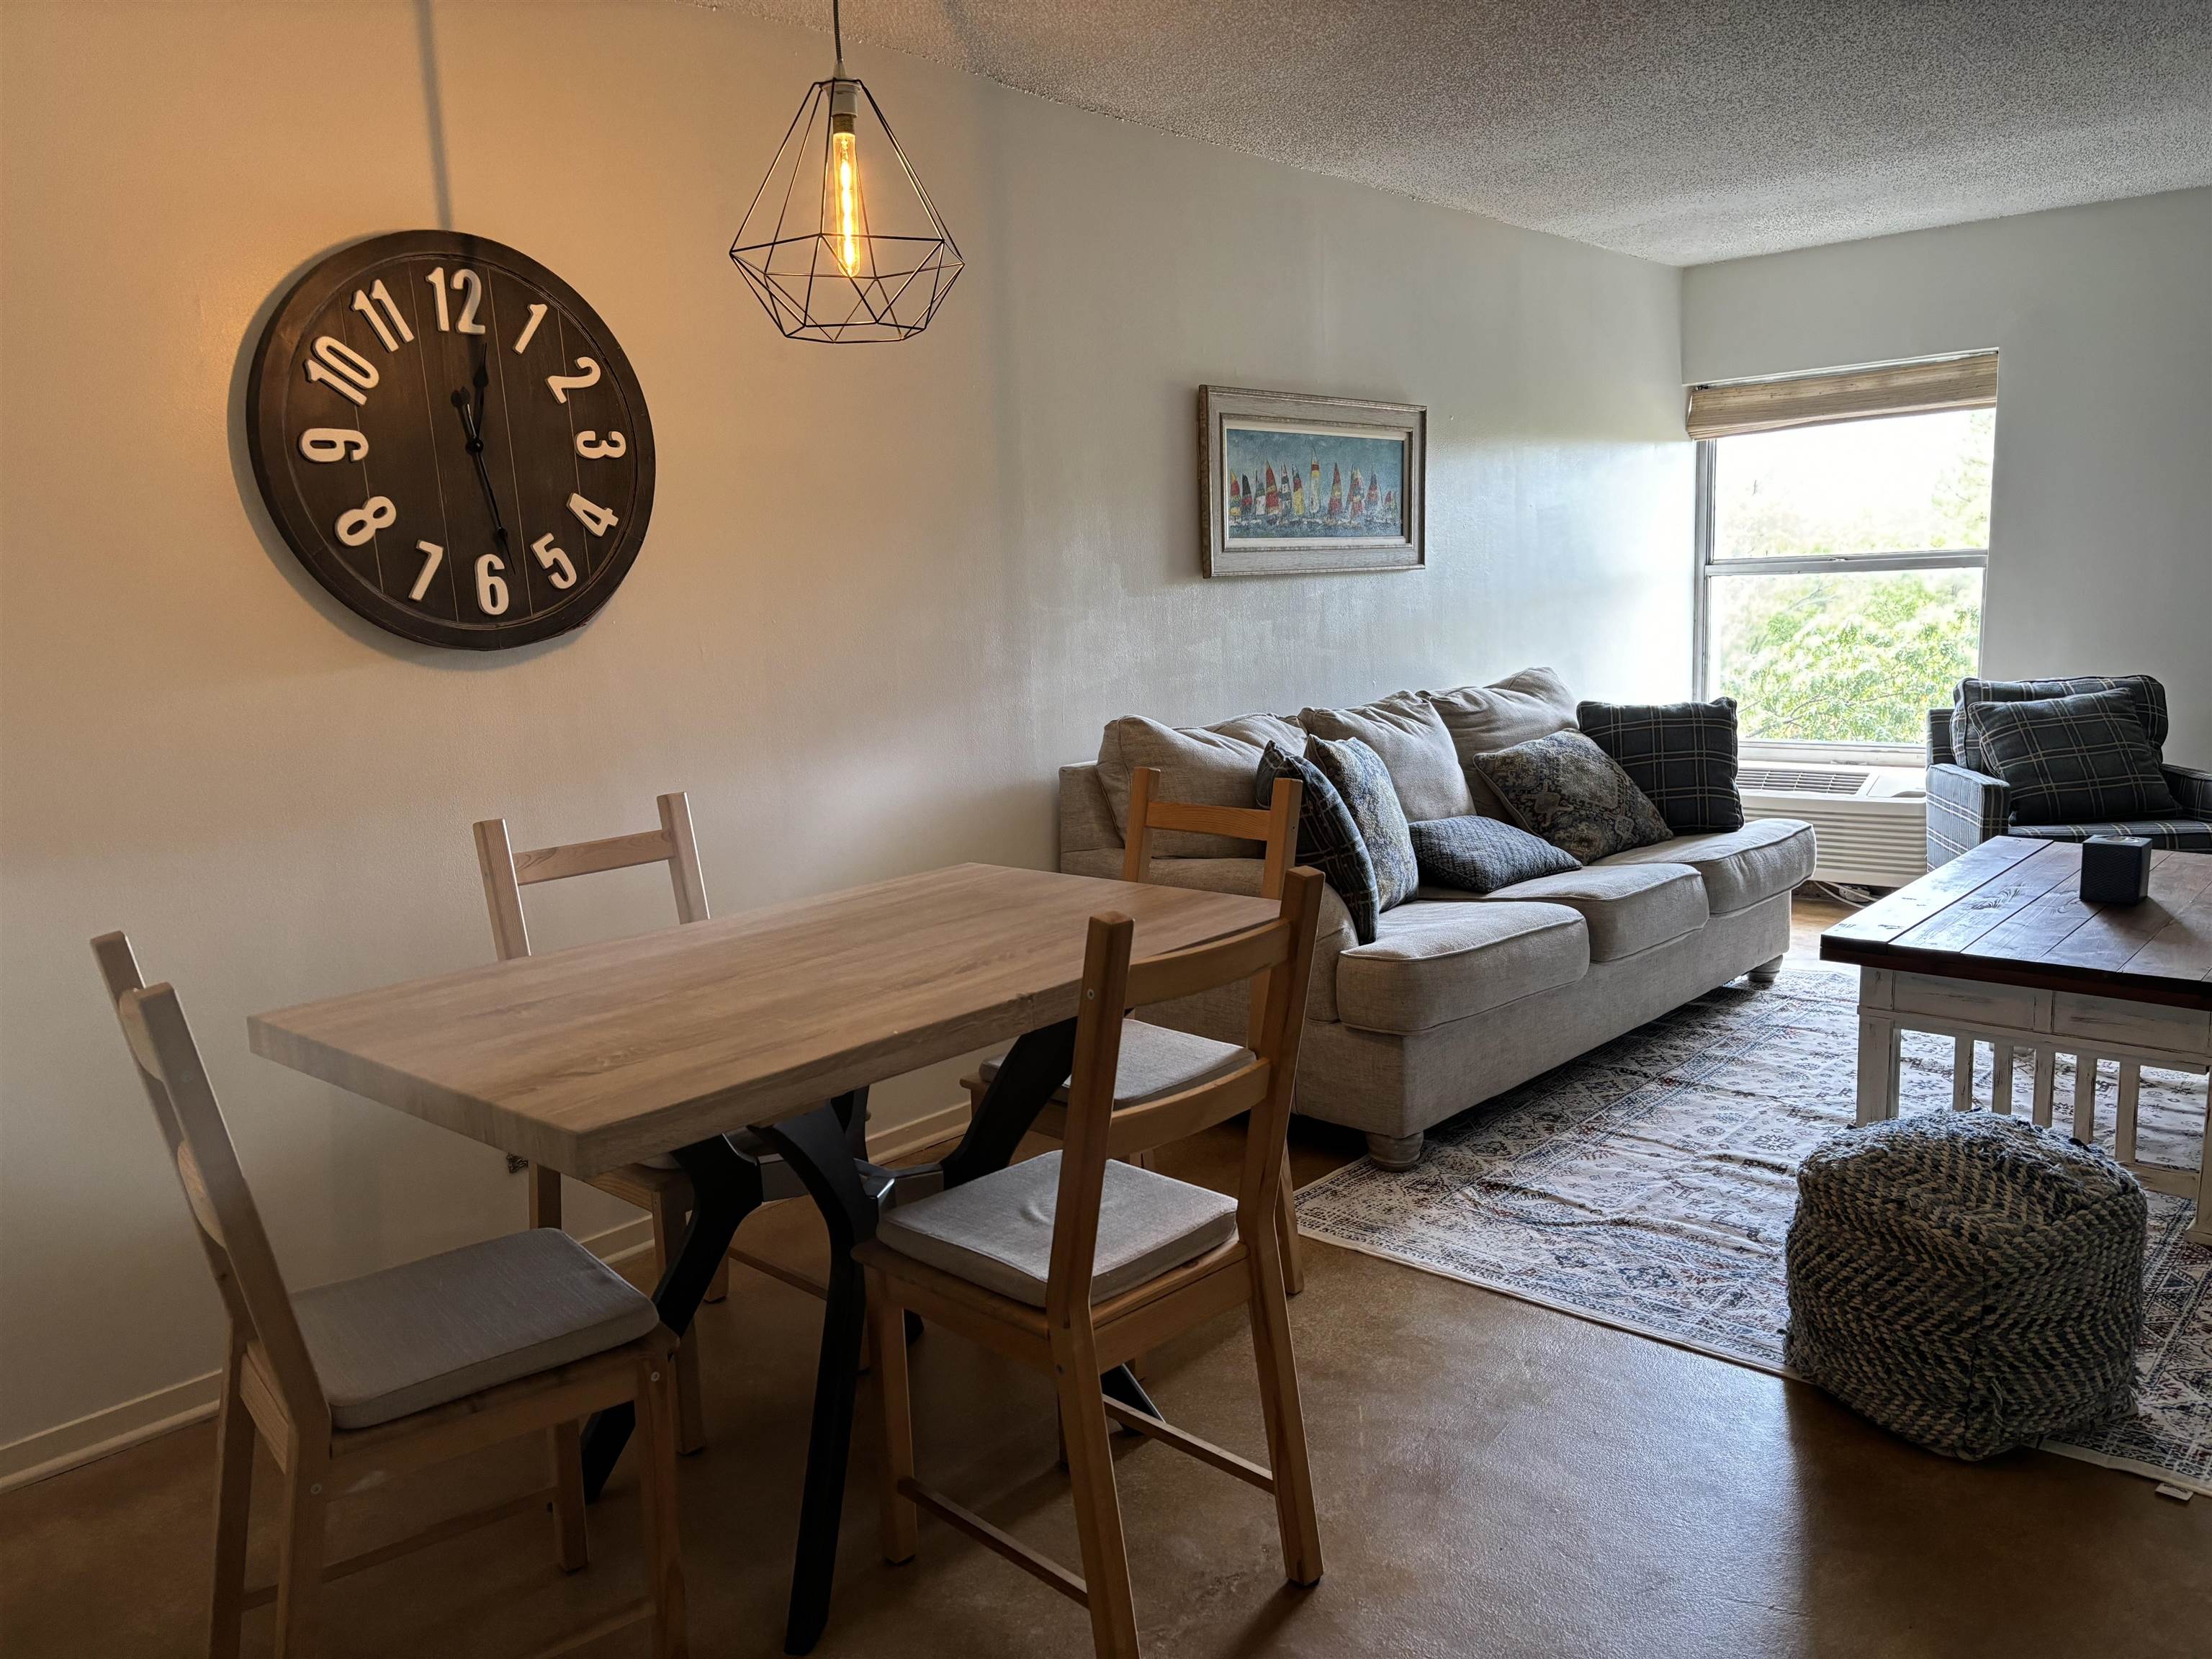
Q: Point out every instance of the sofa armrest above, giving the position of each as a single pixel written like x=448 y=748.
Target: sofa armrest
x=1965 y=809
x=1942 y=751
x=2192 y=788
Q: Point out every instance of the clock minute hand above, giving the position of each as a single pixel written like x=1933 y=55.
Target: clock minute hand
x=461 y=402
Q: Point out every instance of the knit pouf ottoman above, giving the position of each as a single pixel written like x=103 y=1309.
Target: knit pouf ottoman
x=1968 y=1281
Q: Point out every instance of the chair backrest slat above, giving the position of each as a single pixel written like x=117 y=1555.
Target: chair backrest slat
x=224 y=1215
x=1274 y=825
x=1139 y=1129
x=506 y=872
x=1276 y=957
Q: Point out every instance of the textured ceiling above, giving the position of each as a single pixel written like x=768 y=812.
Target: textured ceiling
x=1683 y=132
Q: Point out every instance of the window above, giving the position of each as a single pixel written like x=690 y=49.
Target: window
x=1842 y=529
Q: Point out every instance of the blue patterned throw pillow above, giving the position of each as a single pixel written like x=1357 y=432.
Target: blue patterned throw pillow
x=1327 y=838
x=1481 y=855
x=1365 y=783
x=2072 y=760
x=1571 y=793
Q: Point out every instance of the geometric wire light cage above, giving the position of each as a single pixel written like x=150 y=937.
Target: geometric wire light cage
x=836 y=263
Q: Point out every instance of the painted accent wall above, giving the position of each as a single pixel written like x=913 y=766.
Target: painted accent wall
x=2101 y=528
x=887 y=590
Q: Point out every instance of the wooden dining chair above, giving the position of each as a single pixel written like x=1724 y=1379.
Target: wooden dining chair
x=350 y=1383
x=1158 y=1059
x=655 y=1185
x=1075 y=1262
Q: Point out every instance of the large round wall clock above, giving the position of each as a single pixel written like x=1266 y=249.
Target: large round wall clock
x=450 y=440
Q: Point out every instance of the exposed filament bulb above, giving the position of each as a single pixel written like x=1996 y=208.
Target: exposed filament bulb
x=845 y=160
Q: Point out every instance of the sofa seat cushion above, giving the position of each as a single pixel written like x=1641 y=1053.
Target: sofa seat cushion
x=393 y=1343
x=1434 y=962
x=1741 y=867
x=1627 y=907
x=996 y=1232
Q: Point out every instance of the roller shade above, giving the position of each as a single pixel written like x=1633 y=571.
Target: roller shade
x=1853 y=394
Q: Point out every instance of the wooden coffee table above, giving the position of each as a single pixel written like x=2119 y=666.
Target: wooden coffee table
x=1997 y=947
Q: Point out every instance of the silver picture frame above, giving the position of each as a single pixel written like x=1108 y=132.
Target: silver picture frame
x=1299 y=521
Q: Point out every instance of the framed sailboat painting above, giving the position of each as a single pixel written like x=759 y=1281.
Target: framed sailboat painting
x=1291 y=485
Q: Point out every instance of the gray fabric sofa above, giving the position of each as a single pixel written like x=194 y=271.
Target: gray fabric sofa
x=1461 y=997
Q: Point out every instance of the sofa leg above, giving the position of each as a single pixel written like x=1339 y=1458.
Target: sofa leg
x=1767 y=972
x=1394 y=1151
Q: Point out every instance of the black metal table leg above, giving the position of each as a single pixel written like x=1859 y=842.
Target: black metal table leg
x=816 y=1148
x=1031 y=1073
x=725 y=1188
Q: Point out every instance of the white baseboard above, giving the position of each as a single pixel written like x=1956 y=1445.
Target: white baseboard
x=117 y=1428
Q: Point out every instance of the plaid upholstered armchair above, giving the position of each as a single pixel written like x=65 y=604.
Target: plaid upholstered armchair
x=1968 y=802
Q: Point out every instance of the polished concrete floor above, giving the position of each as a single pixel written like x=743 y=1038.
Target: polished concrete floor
x=1495 y=1478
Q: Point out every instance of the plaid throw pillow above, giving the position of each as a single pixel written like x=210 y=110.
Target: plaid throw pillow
x=2145 y=693
x=1365 y=783
x=1327 y=838
x=1481 y=855
x=1571 y=793
x=1680 y=755
x=2069 y=759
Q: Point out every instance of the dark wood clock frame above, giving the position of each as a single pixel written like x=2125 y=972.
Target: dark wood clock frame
x=520 y=456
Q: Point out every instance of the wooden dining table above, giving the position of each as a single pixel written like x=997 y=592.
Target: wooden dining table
x=776 y=1020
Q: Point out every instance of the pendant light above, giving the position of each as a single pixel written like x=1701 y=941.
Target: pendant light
x=847 y=265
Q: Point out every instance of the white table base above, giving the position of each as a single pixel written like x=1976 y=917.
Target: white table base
x=2047 y=1023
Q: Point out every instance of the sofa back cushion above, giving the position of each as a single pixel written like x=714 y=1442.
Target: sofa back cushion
x=1681 y=754
x=1204 y=765
x=2145 y=693
x=1571 y=793
x=1484 y=719
x=1409 y=735
x=2072 y=760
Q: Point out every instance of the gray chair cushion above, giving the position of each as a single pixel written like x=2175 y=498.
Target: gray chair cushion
x=1627 y=906
x=1741 y=867
x=997 y=1232
x=1158 y=1060
x=1435 y=963
x=411 y=1337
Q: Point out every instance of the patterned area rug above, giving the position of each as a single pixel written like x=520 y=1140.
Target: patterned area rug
x=1649 y=1185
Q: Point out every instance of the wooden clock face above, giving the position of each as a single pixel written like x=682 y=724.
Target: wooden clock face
x=450 y=440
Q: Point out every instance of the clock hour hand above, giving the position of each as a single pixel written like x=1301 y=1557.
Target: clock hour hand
x=471 y=415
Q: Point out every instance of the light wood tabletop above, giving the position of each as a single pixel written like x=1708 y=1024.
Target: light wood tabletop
x=589 y=1057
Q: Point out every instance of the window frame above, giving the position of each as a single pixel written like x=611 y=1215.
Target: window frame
x=1708 y=569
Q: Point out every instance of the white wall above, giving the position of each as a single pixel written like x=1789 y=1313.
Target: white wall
x=887 y=589
x=2100 y=530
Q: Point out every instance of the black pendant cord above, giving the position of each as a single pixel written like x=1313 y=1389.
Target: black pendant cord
x=837 y=35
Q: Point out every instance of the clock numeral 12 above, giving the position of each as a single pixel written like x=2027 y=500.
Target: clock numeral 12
x=563 y=568
x=434 y=556
x=491 y=588
x=472 y=286
x=383 y=331
x=342 y=368
x=593 y=517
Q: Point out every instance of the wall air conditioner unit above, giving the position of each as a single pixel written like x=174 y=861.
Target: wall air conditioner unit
x=1871 y=821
